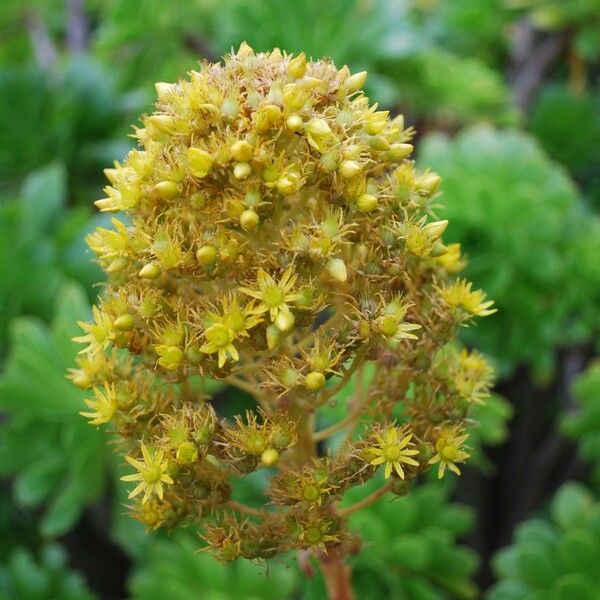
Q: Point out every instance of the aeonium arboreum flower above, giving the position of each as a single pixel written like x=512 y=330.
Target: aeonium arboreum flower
x=276 y=238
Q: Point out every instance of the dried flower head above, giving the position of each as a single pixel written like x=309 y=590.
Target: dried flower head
x=276 y=238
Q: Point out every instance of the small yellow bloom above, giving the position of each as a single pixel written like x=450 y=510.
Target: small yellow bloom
x=393 y=448
x=448 y=451
x=151 y=474
x=98 y=333
x=219 y=340
x=171 y=357
x=103 y=406
x=273 y=296
x=460 y=295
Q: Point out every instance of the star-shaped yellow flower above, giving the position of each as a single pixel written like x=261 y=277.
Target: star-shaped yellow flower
x=448 y=451
x=103 y=406
x=151 y=473
x=393 y=448
x=273 y=296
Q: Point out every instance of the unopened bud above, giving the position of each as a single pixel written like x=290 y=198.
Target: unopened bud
x=314 y=381
x=150 y=271
x=399 y=151
x=337 y=269
x=355 y=82
x=436 y=229
x=273 y=336
x=249 y=219
x=124 y=322
x=118 y=264
x=241 y=170
x=429 y=182
x=241 y=151
x=206 y=255
x=285 y=320
x=167 y=189
x=349 y=169
x=270 y=457
x=367 y=203
x=297 y=66
x=294 y=123
x=200 y=161
x=187 y=453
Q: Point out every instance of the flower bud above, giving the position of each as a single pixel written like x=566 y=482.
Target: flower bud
x=355 y=82
x=200 y=161
x=241 y=151
x=399 y=151
x=270 y=457
x=436 y=229
x=336 y=267
x=206 y=255
x=167 y=189
x=367 y=203
x=428 y=182
x=117 y=265
x=249 y=220
x=187 y=453
x=241 y=170
x=164 y=90
x=273 y=336
x=285 y=320
x=294 y=123
x=349 y=169
x=150 y=271
x=81 y=379
x=297 y=66
x=314 y=381
x=124 y=322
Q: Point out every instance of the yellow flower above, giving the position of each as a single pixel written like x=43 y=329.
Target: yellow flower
x=219 y=340
x=103 y=406
x=448 y=450
x=98 y=333
x=273 y=296
x=171 y=357
x=393 y=449
x=391 y=324
x=473 y=378
x=151 y=473
x=452 y=260
x=239 y=320
x=459 y=295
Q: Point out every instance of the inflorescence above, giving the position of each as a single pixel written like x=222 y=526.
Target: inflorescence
x=276 y=238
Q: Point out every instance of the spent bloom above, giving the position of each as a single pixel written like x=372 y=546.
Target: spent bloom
x=276 y=237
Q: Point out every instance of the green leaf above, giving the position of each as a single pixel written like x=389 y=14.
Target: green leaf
x=571 y=506
x=44 y=195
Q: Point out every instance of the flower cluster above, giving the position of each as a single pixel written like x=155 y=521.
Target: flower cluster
x=276 y=237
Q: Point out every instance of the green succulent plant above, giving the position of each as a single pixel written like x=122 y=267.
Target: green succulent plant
x=422 y=559
x=40 y=245
x=23 y=576
x=555 y=558
x=518 y=217
x=584 y=423
x=58 y=462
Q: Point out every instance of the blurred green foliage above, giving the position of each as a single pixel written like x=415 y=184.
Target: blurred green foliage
x=554 y=559
x=23 y=577
x=521 y=223
x=57 y=460
x=70 y=114
x=41 y=244
x=583 y=424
